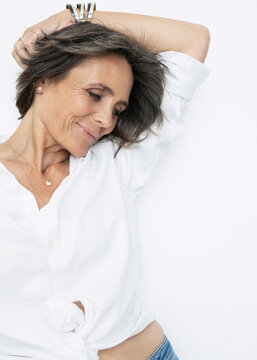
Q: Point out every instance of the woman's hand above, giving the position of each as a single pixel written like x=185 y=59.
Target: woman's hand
x=25 y=45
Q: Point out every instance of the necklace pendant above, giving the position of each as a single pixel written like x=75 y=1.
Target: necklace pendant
x=48 y=183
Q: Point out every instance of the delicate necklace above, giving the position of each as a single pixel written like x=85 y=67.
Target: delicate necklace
x=47 y=182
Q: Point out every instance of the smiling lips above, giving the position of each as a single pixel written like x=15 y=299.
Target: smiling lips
x=92 y=133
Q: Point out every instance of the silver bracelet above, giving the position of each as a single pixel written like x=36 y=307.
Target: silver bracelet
x=73 y=12
x=82 y=17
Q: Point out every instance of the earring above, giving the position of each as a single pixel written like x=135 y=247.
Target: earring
x=40 y=88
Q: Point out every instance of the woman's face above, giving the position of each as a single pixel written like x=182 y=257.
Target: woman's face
x=92 y=96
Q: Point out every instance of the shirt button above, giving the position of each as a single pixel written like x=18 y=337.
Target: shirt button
x=51 y=244
x=82 y=159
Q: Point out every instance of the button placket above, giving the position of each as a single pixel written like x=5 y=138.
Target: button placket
x=46 y=230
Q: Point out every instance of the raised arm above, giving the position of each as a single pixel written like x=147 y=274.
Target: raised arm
x=158 y=34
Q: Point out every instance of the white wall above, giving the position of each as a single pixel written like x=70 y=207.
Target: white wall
x=198 y=213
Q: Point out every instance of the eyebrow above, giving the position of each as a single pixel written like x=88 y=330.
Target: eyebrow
x=109 y=91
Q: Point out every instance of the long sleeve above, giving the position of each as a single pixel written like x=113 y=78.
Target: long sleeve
x=184 y=75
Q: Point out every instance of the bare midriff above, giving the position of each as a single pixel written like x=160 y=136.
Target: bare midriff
x=137 y=347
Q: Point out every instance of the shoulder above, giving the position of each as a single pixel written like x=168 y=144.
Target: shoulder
x=3 y=145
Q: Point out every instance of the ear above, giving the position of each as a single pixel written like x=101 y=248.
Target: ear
x=39 y=83
x=39 y=86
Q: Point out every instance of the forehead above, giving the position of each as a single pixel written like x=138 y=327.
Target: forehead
x=106 y=68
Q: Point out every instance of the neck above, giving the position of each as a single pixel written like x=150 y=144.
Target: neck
x=35 y=145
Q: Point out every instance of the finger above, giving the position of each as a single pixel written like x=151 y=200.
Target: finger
x=29 y=36
x=22 y=51
x=31 y=49
x=28 y=40
x=36 y=32
x=18 y=60
x=17 y=43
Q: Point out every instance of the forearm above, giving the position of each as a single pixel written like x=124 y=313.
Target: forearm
x=156 y=33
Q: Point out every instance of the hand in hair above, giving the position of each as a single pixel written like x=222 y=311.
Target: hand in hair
x=25 y=45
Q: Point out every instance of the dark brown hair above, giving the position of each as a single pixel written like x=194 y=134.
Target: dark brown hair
x=59 y=52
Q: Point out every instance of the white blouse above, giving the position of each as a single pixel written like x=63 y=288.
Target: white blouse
x=83 y=245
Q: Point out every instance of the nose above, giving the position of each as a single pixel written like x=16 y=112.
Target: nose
x=105 y=117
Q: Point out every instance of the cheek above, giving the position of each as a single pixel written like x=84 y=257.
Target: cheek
x=65 y=108
x=65 y=100
x=53 y=104
x=79 y=104
x=57 y=115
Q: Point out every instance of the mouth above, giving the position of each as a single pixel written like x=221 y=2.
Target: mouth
x=88 y=132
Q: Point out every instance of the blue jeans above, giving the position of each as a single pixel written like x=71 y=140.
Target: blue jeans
x=164 y=352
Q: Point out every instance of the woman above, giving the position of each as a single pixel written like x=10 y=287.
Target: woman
x=70 y=173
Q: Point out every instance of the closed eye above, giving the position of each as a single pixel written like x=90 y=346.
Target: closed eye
x=94 y=96
x=97 y=97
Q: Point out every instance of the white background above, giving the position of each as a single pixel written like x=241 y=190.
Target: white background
x=198 y=214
